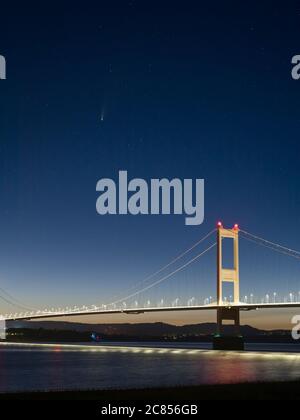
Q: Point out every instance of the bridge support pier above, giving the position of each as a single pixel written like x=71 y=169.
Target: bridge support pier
x=223 y=341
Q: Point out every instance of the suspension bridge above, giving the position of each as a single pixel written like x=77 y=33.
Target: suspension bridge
x=135 y=300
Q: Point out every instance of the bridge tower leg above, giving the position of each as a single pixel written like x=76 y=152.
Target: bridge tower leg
x=227 y=311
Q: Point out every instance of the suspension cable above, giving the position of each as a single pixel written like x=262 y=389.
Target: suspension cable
x=167 y=276
x=271 y=245
x=15 y=301
x=181 y=255
x=15 y=304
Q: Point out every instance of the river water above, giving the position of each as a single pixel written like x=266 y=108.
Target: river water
x=31 y=367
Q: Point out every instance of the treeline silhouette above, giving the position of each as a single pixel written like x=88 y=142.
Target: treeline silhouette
x=41 y=334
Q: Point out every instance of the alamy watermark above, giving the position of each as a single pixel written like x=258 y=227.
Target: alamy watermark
x=2 y=67
x=296 y=68
x=161 y=196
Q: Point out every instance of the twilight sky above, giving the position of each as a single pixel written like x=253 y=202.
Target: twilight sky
x=160 y=89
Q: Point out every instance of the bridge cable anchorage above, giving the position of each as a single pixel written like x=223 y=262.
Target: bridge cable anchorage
x=271 y=245
x=165 y=277
x=167 y=265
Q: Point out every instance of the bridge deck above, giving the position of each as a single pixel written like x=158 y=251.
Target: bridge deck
x=136 y=311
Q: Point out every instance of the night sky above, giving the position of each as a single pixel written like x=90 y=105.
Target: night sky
x=160 y=89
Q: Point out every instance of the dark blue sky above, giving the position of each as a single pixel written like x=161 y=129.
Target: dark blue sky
x=186 y=89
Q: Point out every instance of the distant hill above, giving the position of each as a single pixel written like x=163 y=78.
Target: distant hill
x=157 y=329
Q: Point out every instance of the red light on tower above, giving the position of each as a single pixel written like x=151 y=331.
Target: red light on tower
x=219 y=225
x=236 y=227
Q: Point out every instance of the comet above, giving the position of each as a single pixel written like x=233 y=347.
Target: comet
x=102 y=115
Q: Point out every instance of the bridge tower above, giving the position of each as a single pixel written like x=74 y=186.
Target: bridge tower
x=228 y=274
x=228 y=311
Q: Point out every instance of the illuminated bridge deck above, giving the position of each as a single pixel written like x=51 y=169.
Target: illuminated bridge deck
x=137 y=311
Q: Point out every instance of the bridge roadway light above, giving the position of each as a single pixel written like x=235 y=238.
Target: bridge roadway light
x=192 y=300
